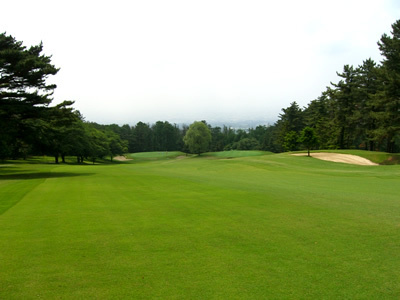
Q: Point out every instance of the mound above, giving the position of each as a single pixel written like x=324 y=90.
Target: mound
x=343 y=158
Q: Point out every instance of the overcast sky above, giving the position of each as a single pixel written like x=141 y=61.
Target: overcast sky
x=180 y=61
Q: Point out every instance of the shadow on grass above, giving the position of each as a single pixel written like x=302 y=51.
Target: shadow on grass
x=41 y=175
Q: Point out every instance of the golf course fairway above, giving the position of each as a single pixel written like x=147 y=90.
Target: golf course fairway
x=226 y=226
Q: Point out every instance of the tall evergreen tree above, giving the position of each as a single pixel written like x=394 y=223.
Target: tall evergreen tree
x=318 y=115
x=24 y=93
x=344 y=95
x=289 y=125
x=387 y=101
x=143 y=137
x=368 y=84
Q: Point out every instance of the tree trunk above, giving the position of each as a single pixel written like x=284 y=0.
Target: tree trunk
x=56 y=158
x=308 y=149
x=371 y=146
x=390 y=146
x=63 y=158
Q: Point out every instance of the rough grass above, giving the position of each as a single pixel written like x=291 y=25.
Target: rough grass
x=251 y=227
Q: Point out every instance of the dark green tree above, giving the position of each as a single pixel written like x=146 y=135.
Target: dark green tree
x=364 y=115
x=308 y=138
x=198 y=138
x=271 y=139
x=289 y=125
x=217 y=140
x=387 y=100
x=143 y=136
x=229 y=135
x=24 y=93
x=59 y=131
x=319 y=115
x=98 y=146
x=291 y=141
x=116 y=145
x=248 y=144
x=164 y=137
x=259 y=133
x=345 y=96
x=126 y=133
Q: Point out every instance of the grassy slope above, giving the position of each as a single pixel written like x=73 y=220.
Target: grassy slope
x=252 y=227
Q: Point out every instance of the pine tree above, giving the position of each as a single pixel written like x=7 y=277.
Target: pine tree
x=344 y=95
x=387 y=101
x=24 y=93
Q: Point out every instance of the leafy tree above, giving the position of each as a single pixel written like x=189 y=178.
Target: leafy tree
x=259 y=133
x=98 y=146
x=291 y=141
x=57 y=134
x=248 y=144
x=79 y=138
x=308 y=138
x=240 y=134
x=116 y=145
x=198 y=138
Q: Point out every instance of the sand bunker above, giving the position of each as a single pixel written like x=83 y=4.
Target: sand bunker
x=121 y=158
x=343 y=158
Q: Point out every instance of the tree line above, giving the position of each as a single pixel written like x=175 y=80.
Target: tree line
x=164 y=136
x=360 y=111
x=28 y=122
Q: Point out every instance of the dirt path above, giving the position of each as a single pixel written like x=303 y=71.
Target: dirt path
x=343 y=158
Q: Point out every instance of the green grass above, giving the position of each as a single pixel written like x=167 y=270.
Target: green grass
x=250 y=227
x=236 y=153
x=157 y=155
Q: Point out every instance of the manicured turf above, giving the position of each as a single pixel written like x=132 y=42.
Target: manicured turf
x=236 y=153
x=250 y=227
